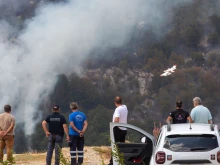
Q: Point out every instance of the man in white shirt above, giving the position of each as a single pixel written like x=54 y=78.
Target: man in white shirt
x=199 y=113
x=120 y=116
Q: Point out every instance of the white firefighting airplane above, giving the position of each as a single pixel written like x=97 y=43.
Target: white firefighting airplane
x=169 y=71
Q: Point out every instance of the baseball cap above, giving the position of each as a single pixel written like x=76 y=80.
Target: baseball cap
x=56 y=107
x=179 y=103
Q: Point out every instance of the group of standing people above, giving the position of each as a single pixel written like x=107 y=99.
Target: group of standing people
x=57 y=126
x=199 y=114
x=75 y=135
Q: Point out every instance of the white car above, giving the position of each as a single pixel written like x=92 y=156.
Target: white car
x=177 y=144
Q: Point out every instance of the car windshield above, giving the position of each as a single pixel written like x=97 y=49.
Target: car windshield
x=191 y=143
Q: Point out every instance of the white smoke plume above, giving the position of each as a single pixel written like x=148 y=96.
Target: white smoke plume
x=58 y=38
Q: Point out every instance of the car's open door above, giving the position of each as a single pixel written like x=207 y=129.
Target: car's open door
x=134 y=153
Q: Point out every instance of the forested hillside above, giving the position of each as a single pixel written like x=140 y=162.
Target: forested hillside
x=192 y=43
x=191 y=40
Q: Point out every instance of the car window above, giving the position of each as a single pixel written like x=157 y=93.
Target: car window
x=134 y=136
x=191 y=143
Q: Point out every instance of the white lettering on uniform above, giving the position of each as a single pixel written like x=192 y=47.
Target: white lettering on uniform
x=55 y=119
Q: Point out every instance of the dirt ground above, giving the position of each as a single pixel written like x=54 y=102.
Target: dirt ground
x=96 y=155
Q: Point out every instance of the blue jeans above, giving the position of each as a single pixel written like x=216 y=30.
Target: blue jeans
x=76 y=149
x=54 y=141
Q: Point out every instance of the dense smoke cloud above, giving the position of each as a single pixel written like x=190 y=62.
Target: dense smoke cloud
x=58 y=38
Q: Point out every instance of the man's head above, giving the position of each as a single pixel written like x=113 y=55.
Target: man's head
x=197 y=101
x=56 y=108
x=118 y=101
x=7 y=108
x=73 y=106
x=179 y=104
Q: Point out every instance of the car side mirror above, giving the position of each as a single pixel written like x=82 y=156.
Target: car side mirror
x=143 y=139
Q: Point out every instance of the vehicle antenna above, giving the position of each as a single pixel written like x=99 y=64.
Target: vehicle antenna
x=189 y=121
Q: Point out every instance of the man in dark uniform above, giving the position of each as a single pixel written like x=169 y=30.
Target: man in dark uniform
x=57 y=126
x=179 y=115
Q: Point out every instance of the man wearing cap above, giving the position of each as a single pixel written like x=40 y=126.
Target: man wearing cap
x=57 y=126
x=7 y=123
x=199 y=113
x=179 y=115
x=77 y=128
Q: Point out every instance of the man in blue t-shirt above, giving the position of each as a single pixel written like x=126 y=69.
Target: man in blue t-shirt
x=78 y=125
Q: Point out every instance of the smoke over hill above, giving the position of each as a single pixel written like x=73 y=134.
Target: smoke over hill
x=58 y=38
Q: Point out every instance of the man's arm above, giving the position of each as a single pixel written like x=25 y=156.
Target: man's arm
x=116 y=120
x=44 y=125
x=189 y=119
x=210 y=117
x=65 y=127
x=169 y=119
x=192 y=115
x=85 y=125
x=9 y=129
x=74 y=128
x=1 y=132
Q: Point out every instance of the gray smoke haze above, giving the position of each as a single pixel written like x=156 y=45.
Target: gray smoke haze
x=58 y=38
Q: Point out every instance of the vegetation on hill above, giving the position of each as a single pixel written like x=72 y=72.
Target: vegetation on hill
x=191 y=42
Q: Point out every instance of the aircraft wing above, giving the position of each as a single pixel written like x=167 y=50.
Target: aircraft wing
x=165 y=74
x=168 y=70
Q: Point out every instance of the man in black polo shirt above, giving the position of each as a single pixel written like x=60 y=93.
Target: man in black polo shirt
x=179 y=115
x=57 y=126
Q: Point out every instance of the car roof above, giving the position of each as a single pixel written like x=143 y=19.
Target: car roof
x=195 y=129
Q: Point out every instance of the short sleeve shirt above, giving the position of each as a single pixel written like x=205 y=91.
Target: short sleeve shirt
x=122 y=113
x=78 y=119
x=56 y=121
x=201 y=114
x=179 y=116
x=6 y=119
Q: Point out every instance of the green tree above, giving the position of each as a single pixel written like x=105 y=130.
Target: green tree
x=123 y=65
x=60 y=92
x=98 y=120
x=213 y=38
x=215 y=19
x=191 y=35
x=197 y=58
